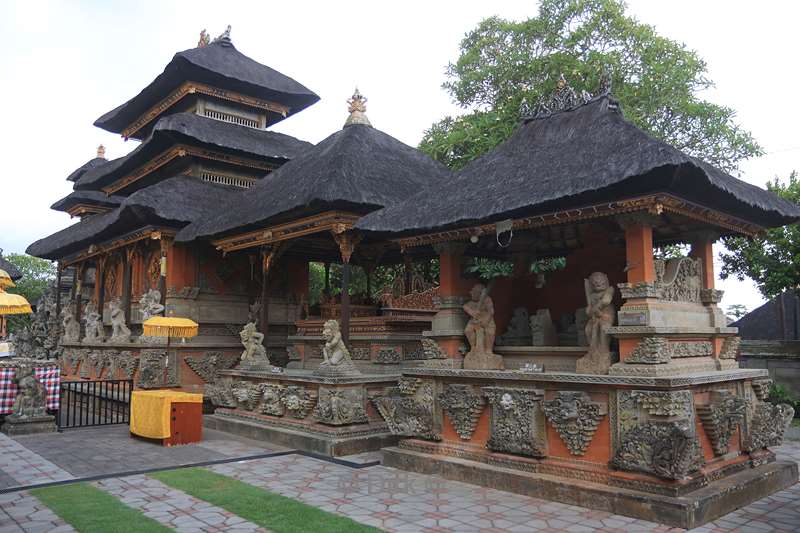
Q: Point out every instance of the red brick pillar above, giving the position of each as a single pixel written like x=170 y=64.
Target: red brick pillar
x=448 y=324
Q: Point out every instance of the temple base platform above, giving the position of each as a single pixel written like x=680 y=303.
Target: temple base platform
x=711 y=499
x=328 y=415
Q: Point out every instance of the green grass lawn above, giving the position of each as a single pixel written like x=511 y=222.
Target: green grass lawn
x=91 y=510
x=272 y=511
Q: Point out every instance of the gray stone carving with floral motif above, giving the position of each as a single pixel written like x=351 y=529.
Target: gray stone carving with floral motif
x=517 y=421
x=575 y=417
x=463 y=405
x=272 y=404
x=768 y=425
x=665 y=449
x=409 y=409
x=298 y=401
x=720 y=417
x=336 y=406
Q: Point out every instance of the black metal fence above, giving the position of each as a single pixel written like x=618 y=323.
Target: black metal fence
x=94 y=403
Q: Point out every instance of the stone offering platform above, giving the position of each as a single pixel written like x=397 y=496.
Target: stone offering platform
x=329 y=415
x=681 y=450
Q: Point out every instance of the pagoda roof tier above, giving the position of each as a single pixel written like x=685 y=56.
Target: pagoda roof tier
x=587 y=155
x=198 y=131
x=357 y=169
x=173 y=202
x=221 y=66
x=86 y=167
x=75 y=198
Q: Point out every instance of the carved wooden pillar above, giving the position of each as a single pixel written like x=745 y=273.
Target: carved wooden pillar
x=448 y=324
x=78 y=288
x=165 y=243
x=347 y=241
x=127 y=271
x=266 y=261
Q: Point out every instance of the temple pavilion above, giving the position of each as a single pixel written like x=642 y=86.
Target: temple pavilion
x=609 y=381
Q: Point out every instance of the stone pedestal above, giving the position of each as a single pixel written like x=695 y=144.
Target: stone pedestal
x=15 y=425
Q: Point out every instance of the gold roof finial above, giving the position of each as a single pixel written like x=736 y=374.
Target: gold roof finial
x=101 y=152
x=357 y=106
x=204 y=39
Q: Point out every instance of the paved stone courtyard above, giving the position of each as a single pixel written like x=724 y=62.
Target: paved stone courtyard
x=383 y=497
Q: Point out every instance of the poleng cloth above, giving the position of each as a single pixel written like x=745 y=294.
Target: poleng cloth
x=50 y=376
x=150 y=411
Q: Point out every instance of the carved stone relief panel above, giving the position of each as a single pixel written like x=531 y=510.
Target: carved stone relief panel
x=220 y=393
x=680 y=279
x=575 y=417
x=272 y=404
x=247 y=395
x=337 y=406
x=463 y=405
x=298 y=401
x=517 y=421
x=124 y=364
x=85 y=364
x=410 y=409
x=730 y=348
x=668 y=450
x=157 y=368
x=767 y=426
x=208 y=365
x=638 y=407
x=650 y=350
x=359 y=353
x=664 y=403
x=388 y=355
x=720 y=418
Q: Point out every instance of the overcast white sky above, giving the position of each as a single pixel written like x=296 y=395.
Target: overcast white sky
x=66 y=63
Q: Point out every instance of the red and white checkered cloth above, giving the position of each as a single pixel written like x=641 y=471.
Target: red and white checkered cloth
x=50 y=376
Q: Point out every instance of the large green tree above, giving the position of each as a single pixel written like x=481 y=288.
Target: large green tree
x=505 y=67
x=771 y=259
x=36 y=274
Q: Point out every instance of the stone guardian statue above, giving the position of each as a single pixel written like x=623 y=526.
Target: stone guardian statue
x=336 y=356
x=600 y=314
x=480 y=331
x=254 y=354
x=119 y=329
x=150 y=304
x=93 y=325
x=72 y=328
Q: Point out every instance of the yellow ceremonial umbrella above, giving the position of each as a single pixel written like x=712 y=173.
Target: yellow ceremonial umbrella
x=5 y=280
x=170 y=327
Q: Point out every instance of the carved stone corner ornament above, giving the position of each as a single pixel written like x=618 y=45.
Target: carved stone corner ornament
x=517 y=421
x=463 y=405
x=761 y=388
x=208 y=365
x=341 y=406
x=720 y=417
x=711 y=296
x=575 y=417
x=768 y=425
x=665 y=449
x=730 y=348
x=409 y=409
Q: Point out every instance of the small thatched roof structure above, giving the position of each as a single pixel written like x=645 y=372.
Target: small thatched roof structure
x=359 y=169
x=86 y=197
x=199 y=131
x=569 y=159
x=10 y=268
x=173 y=203
x=218 y=64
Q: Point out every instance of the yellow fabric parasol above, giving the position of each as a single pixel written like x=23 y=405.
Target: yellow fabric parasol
x=13 y=304
x=170 y=326
x=5 y=280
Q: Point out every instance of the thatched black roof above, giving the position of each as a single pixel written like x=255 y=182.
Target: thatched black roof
x=89 y=165
x=569 y=159
x=358 y=168
x=10 y=268
x=86 y=197
x=218 y=64
x=173 y=203
x=199 y=131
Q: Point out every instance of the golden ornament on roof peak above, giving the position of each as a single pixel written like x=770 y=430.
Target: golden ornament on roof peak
x=357 y=106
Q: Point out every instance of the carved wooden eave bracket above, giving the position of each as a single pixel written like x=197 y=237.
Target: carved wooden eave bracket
x=333 y=221
x=79 y=210
x=192 y=87
x=651 y=205
x=347 y=241
x=183 y=150
x=94 y=250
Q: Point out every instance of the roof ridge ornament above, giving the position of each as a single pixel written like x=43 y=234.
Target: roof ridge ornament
x=101 y=152
x=224 y=38
x=357 y=106
x=563 y=99
x=204 y=39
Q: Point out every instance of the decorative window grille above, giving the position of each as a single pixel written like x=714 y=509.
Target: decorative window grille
x=233 y=119
x=222 y=179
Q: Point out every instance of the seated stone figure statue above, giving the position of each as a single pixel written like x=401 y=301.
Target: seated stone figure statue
x=480 y=331
x=600 y=314
x=150 y=304
x=254 y=354
x=336 y=356
x=119 y=329
x=31 y=400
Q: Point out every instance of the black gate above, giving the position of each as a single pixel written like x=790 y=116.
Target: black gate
x=94 y=403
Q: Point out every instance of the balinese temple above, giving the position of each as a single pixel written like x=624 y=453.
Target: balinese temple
x=609 y=380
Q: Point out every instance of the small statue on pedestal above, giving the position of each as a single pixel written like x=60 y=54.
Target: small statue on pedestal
x=29 y=413
x=600 y=313
x=150 y=304
x=336 y=356
x=480 y=331
x=72 y=328
x=119 y=329
x=93 y=324
x=254 y=354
